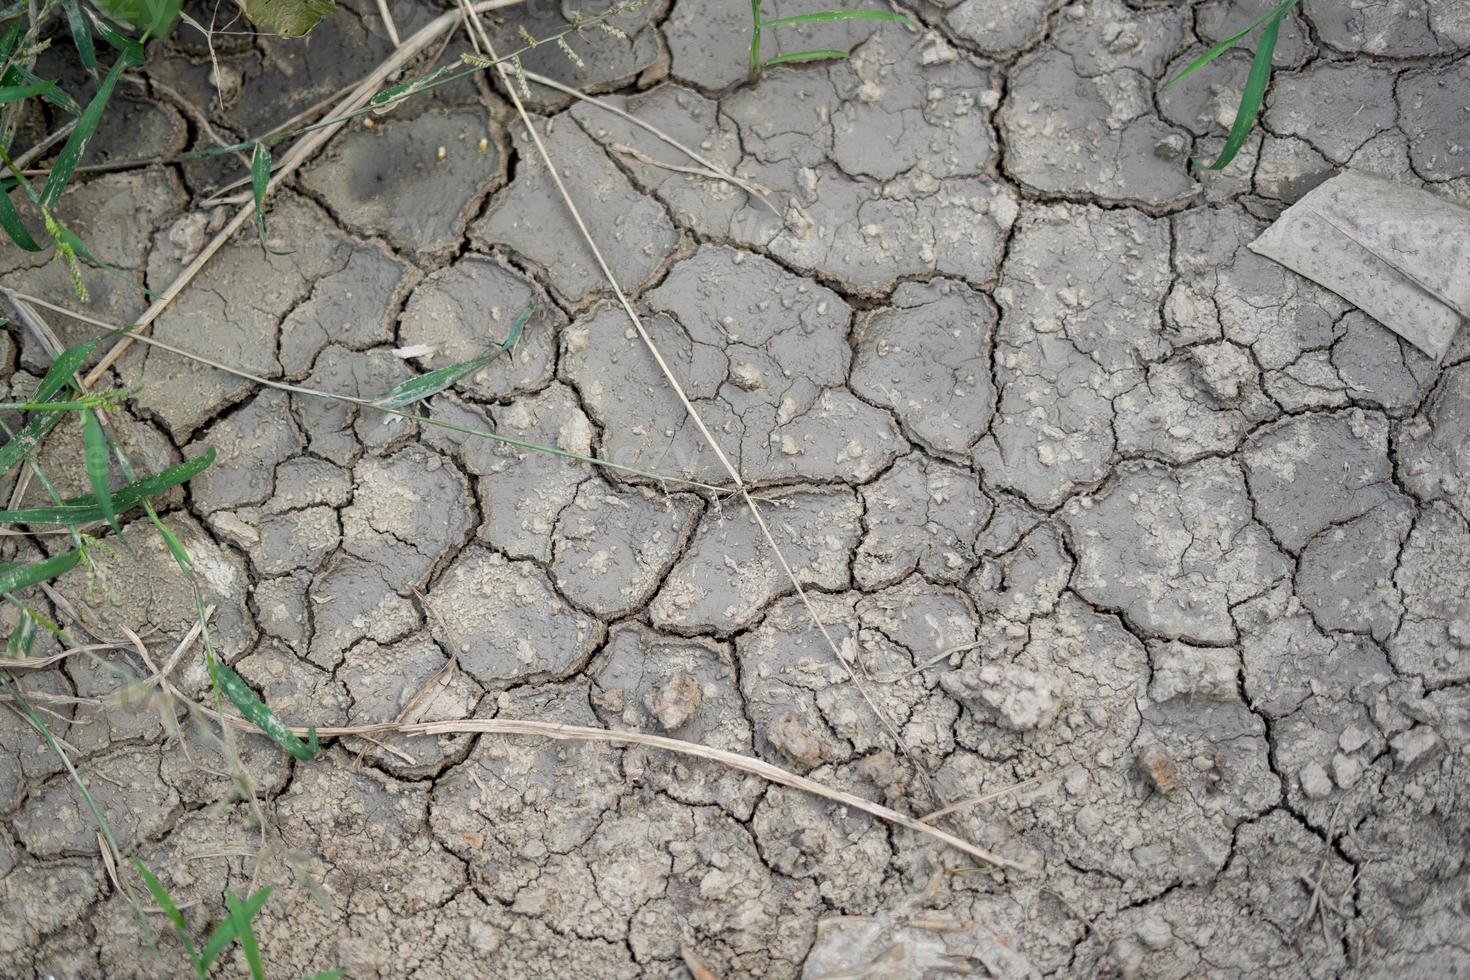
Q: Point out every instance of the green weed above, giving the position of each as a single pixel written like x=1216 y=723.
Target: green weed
x=1255 y=82
x=758 y=63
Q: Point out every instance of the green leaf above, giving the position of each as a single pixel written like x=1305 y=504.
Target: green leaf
x=262 y=717
x=35 y=430
x=80 y=510
x=241 y=919
x=120 y=43
x=23 y=636
x=55 y=95
x=224 y=933
x=260 y=181
x=94 y=452
x=15 y=229
x=81 y=37
x=166 y=902
x=830 y=15
x=815 y=55
x=15 y=93
x=1278 y=11
x=39 y=571
x=155 y=18
x=426 y=385
x=76 y=144
x=1253 y=93
x=288 y=18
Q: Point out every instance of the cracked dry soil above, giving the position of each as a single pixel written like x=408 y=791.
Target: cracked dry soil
x=1194 y=533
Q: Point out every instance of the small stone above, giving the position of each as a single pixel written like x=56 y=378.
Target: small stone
x=1315 y=784
x=1352 y=739
x=674 y=701
x=1415 y=746
x=1346 y=770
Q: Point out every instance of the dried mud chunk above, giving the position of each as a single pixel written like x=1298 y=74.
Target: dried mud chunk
x=1433 y=638
x=1323 y=696
x=249 y=445
x=1234 y=921
x=53 y=894
x=517 y=802
x=1225 y=291
x=1110 y=150
x=463 y=311
x=407 y=681
x=999 y=28
x=136 y=803
x=1026 y=581
x=1433 y=461
x=613 y=547
x=933 y=338
x=887 y=120
x=922 y=514
x=1395 y=28
x=146 y=592
x=522 y=491
x=729 y=573
x=1311 y=472
x=1080 y=295
x=766 y=371
x=844 y=854
x=684 y=688
x=1346 y=573
x=414 y=181
x=530 y=217
x=351 y=600
x=1173 y=551
x=110 y=213
x=352 y=308
x=1337 y=108
x=340 y=432
x=1378 y=368
x=806 y=709
x=409 y=511
x=243 y=293
x=504 y=623
x=1198 y=673
x=603 y=61
x=1429 y=114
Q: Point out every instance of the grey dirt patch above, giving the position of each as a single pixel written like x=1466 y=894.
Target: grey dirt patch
x=1147 y=554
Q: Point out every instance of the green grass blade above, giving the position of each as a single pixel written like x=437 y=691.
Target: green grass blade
x=15 y=93
x=87 y=122
x=1278 y=11
x=62 y=369
x=831 y=15
x=246 y=936
x=80 y=510
x=328 y=975
x=23 y=636
x=262 y=717
x=81 y=37
x=1251 y=96
x=15 y=229
x=260 y=181
x=813 y=55
x=38 y=571
x=94 y=453
x=55 y=94
x=427 y=385
x=7 y=43
x=224 y=933
x=166 y=902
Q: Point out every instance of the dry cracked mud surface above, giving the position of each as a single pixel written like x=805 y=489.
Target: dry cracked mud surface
x=1085 y=490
